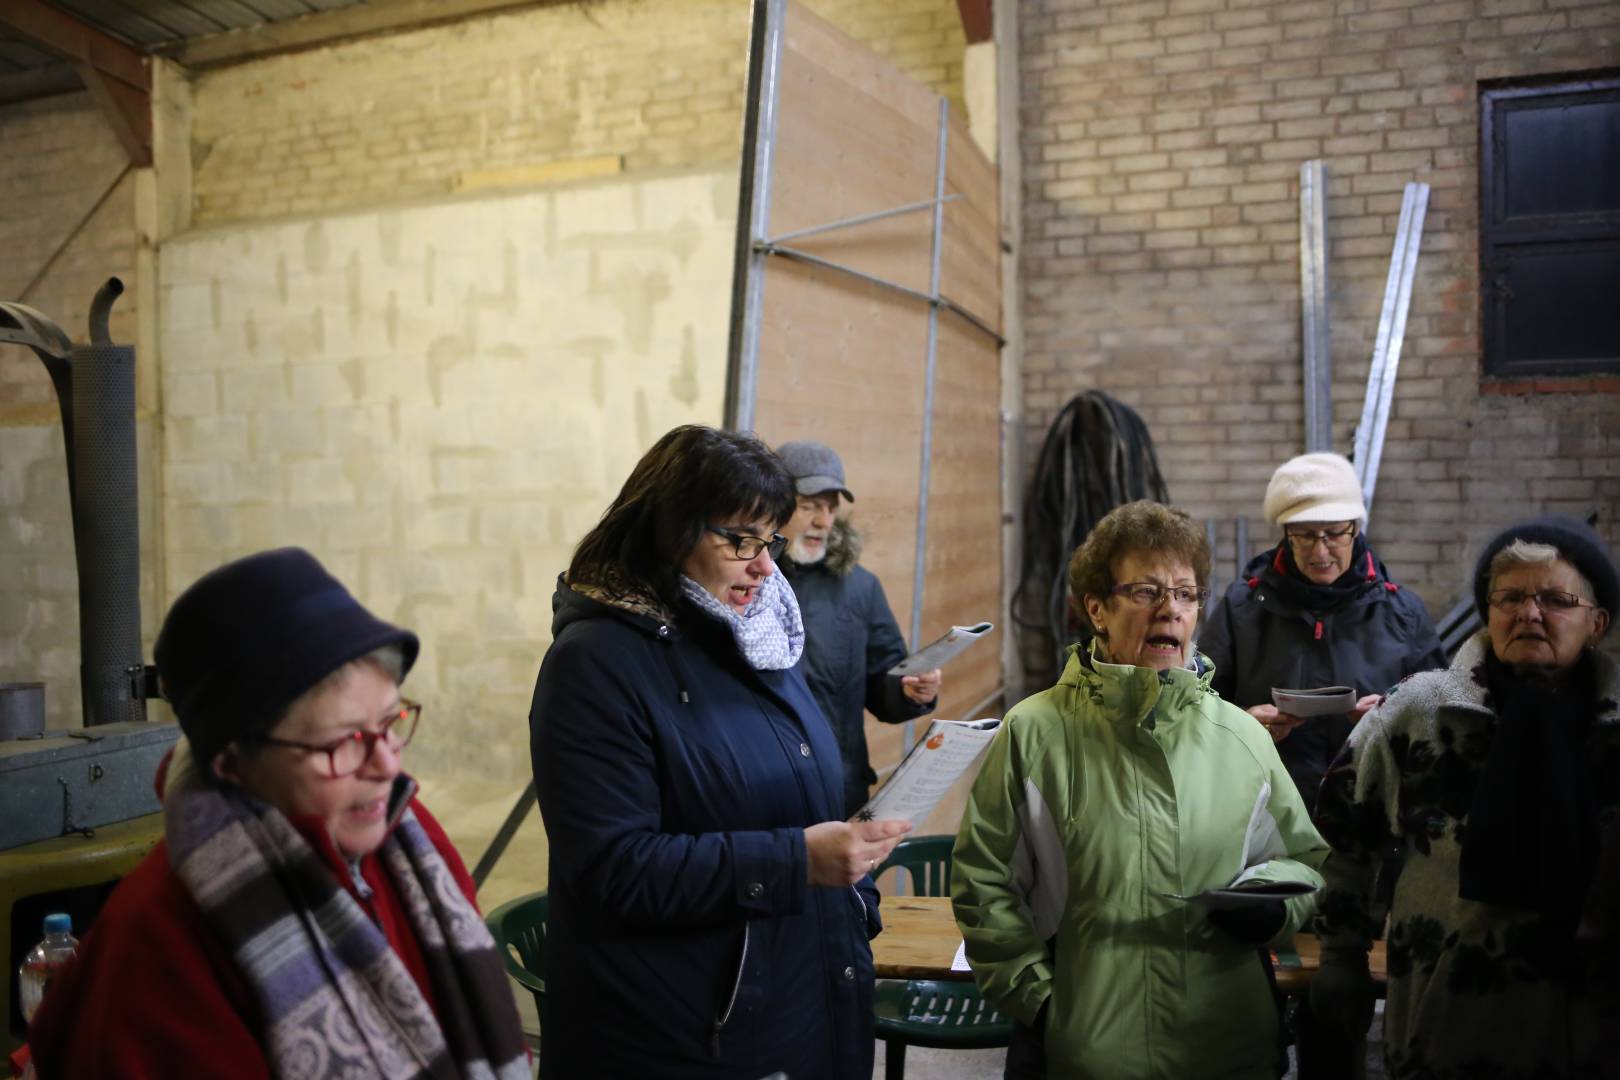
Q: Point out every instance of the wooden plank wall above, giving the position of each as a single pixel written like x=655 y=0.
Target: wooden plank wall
x=843 y=362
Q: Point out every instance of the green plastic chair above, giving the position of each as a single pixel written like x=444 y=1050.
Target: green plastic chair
x=519 y=929
x=936 y=1013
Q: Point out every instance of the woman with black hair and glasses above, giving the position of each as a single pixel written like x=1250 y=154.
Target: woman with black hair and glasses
x=710 y=909
x=1317 y=610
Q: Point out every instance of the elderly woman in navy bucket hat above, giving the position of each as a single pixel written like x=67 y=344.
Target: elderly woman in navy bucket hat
x=1498 y=781
x=304 y=915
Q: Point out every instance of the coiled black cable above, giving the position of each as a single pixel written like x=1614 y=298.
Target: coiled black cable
x=1098 y=454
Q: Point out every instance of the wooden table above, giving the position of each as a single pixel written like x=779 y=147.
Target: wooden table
x=920 y=938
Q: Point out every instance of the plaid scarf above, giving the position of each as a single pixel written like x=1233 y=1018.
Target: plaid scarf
x=336 y=1000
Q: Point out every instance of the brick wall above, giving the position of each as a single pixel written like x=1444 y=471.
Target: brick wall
x=404 y=115
x=61 y=158
x=1162 y=142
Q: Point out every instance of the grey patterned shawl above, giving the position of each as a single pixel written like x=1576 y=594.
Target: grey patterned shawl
x=335 y=999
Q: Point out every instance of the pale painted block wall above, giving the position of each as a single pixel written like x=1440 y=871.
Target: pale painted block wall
x=353 y=128
x=438 y=401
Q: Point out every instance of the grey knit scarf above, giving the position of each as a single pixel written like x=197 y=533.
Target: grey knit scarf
x=770 y=633
x=335 y=999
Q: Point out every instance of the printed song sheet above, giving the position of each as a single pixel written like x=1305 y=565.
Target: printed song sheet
x=943 y=753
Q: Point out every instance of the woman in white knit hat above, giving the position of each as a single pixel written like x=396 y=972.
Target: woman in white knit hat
x=1317 y=610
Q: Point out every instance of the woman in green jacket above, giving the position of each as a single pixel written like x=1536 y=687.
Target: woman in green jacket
x=1106 y=799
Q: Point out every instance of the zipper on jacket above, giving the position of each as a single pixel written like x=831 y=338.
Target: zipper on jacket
x=1318 y=629
x=731 y=1002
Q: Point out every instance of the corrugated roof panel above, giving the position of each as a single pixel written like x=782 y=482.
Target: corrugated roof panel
x=119 y=21
x=276 y=10
x=190 y=19
x=221 y=14
x=147 y=24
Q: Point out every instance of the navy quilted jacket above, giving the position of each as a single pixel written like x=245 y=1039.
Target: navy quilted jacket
x=675 y=782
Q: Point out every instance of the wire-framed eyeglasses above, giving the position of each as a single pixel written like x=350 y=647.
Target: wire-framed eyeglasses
x=1306 y=539
x=1149 y=595
x=1510 y=601
x=346 y=756
x=748 y=547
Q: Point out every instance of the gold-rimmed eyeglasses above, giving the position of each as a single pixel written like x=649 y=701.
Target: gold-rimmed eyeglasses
x=1510 y=601
x=1149 y=594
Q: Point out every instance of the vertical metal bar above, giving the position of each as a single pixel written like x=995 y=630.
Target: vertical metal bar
x=1009 y=162
x=1210 y=539
x=1418 y=196
x=1386 y=319
x=925 y=475
x=753 y=213
x=1240 y=545
x=1318 y=372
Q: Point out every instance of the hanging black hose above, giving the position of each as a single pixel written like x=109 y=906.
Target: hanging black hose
x=1098 y=455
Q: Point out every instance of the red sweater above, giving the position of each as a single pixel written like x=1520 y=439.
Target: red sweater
x=154 y=995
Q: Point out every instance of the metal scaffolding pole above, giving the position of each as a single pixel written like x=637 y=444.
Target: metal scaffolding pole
x=1318 y=374
x=1386 y=358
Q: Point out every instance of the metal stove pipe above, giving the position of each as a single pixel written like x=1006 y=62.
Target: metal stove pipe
x=107 y=522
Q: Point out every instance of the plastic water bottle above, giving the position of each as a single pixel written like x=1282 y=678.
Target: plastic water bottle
x=44 y=961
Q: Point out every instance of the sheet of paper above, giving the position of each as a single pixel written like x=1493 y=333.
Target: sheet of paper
x=934 y=763
x=960 y=963
x=944 y=648
x=1326 y=701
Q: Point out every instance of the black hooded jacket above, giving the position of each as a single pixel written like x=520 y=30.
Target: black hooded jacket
x=1273 y=630
x=676 y=782
x=851 y=641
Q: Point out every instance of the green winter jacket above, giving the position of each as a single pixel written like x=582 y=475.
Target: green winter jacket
x=1097 y=798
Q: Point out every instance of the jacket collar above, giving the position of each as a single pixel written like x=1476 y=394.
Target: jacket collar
x=1463 y=686
x=312 y=827
x=574 y=602
x=1130 y=693
x=1278 y=588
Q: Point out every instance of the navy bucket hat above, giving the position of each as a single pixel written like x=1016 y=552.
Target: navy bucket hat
x=246 y=640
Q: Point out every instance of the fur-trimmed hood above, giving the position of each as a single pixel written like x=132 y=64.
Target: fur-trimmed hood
x=843 y=548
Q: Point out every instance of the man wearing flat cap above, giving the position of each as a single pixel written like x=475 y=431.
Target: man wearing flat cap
x=1498 y=780
x=851 y=637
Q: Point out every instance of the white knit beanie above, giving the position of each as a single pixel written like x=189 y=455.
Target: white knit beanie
x=1314 y=487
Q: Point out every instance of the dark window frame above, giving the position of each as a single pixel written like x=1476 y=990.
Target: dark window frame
x=1502 y=238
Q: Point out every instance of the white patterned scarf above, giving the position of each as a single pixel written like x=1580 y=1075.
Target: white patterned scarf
x=770 y=633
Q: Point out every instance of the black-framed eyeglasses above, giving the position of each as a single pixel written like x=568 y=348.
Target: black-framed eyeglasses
x=1147 y=594
x=346 y=756
x=749 y=547
x=1305 y=539
x=1509 y=601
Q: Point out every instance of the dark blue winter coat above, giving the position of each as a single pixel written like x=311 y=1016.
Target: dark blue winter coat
x=850 y=642
x=684 y=939
x=1272 y=631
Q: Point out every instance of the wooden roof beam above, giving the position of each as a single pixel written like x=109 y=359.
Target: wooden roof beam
x=118 y=76
x=977 y=22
